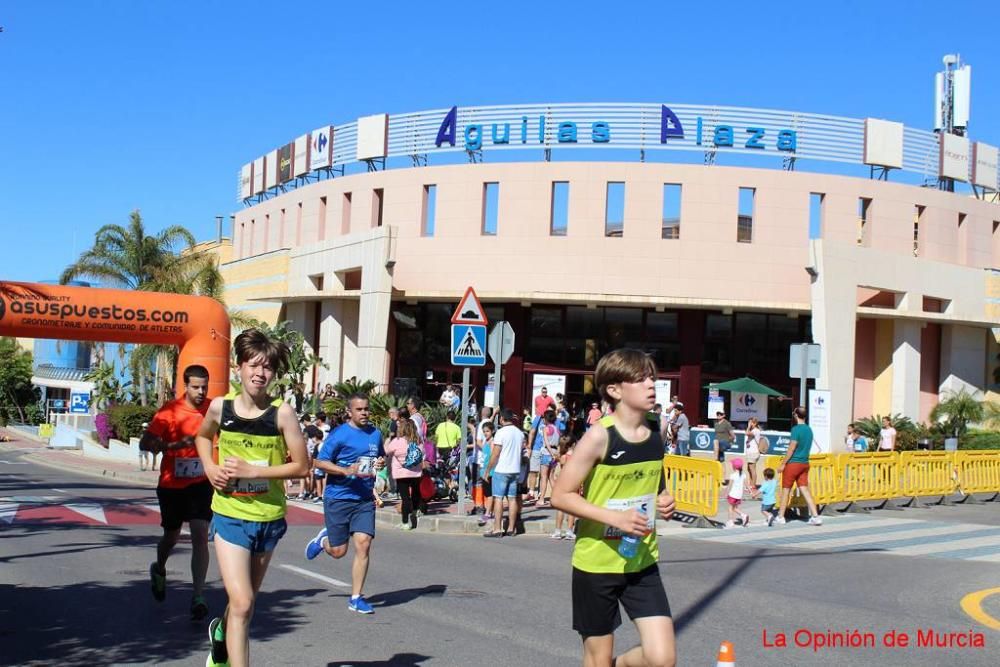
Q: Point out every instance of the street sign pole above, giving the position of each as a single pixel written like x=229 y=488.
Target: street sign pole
x=803 y=378
x=463 y=457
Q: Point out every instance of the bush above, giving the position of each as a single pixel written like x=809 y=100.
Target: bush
x=127 y=420
x=980 y=440
x=102 y=424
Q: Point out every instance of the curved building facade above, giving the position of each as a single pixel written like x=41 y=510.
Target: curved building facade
x=715 y=270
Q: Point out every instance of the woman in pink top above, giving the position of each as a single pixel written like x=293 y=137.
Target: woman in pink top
x=407 y=479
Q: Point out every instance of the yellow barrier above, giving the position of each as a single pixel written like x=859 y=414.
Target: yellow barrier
x=872 y=476
x=978 y=471
x=694 y=484
x=926 y=474
x=46 y=430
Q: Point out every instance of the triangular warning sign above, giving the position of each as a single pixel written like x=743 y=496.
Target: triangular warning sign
x=469 y=310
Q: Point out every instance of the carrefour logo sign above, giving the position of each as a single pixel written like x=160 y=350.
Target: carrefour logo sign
x=746 y=400
x=532 y=130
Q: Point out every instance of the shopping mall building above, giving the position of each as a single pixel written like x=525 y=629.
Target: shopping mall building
x=712 y=237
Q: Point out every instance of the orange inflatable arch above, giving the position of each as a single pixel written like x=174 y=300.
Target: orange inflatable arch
x=199 y=325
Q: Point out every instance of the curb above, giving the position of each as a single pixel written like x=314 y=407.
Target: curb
x=445 y=525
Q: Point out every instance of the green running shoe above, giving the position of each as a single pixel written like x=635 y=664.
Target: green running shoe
x=219 y=655
x=157 y=582
x=199 y=608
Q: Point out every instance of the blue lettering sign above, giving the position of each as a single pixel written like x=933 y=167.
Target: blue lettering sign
x=670 y=125
x=723 y=136
x=447 y=130
x=567 y=133
x=756 y=134
x=600 y=132
x=787 y=140
x=505 y=139
x=473 y=137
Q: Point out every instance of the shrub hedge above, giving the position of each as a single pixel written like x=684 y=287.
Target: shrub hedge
x=127 y=419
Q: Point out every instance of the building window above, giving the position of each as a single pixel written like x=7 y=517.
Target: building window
x=281 y=229
x=864 y=217
x=491 y=202
x=345 y=214
x=815 y=215
x=744 y=215
x=670 y=226
x=267 y=229
x=559 y=215
x=298 y=224
x=322 y=218
x=961 y=220
x=429 y=210
x=918 y=213
x=614 y=210
x=377 y=196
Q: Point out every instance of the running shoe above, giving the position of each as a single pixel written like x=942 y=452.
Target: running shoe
x=199 y=608
x=569 y=535
x=815 y=521
x=729 y=524
x=157 y=582
x=556 y=535
x=779 y=520
x=405 y=526
x=770 y=520
x=358 y=604
x=218 y=656
x=746 y=520
x=315 y=545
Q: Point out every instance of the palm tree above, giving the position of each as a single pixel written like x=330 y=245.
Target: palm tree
x=957 y=411
x=128 y=257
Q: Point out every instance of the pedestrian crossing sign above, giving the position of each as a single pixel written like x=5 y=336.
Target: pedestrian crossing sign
x=468 y=345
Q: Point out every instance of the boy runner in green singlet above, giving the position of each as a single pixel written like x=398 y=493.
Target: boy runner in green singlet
x=619 y=463
x=257 y=435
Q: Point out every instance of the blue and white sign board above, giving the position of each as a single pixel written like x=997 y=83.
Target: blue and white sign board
x=468 y=345
x=745 y=405
x=79 y=403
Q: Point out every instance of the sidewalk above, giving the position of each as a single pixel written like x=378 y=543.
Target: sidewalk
x=36 y=451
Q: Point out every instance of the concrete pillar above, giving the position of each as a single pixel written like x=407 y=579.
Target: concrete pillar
x=331 y=346
x=906 y=369
x=963 y=359
x=373 y=313
x=833 y=296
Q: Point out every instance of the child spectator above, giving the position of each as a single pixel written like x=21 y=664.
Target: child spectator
x=565 y=451
x=768 y=496
x=737 y=484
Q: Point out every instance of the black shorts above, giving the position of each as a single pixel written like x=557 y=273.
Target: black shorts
x=596 y=597
x=191 y=503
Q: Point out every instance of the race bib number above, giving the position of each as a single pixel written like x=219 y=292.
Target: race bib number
x=253 y=487
x=366 y=466
x=644 y=504
x=187 y=468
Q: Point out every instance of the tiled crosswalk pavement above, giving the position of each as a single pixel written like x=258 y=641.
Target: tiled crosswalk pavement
x=873 y=532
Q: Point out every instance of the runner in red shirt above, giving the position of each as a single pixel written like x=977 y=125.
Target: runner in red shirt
x=183 y=491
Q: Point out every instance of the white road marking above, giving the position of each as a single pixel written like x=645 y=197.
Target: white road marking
x=89 y=510
x=59 y=491
x=317 y=577
x=7 y=512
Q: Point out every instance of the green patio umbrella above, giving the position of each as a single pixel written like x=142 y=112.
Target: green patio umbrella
x=746 y=385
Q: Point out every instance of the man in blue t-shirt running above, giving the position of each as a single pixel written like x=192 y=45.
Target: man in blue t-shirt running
x=350 y=457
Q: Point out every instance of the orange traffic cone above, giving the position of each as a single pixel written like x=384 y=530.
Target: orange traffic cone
x=727 y=656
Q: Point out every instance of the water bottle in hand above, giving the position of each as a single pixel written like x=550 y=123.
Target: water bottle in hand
x=629 y=546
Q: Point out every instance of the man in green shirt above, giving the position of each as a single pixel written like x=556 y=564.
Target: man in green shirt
x=794 y=469
x=447 y=435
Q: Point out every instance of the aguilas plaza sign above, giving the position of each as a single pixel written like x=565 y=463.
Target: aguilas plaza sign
x=532 y=131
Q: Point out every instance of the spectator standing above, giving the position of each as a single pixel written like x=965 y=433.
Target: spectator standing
x=401 y=451
x=549 y=455
x=504 y=470
x=724 y=436
x=737 y=486
x=447 y=435
x=683 y=429
x=594 y=415
x=860 y=441
x=565 y=451
x=768 y=496
x=753 y=450
x=543 y=402
x=488 y=431
x=794 y=469
x=849 y=439
x=887 y=436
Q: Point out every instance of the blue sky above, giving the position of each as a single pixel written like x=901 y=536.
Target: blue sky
x=111 y=106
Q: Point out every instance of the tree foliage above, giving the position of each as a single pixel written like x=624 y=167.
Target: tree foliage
x=18 y=398
x=300 y=361
x=957 y=411
x=108 y=388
